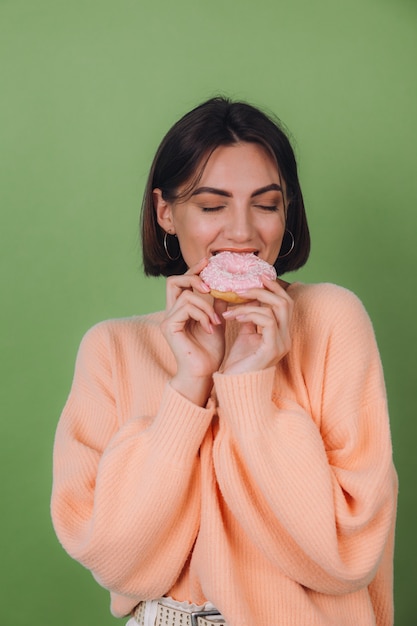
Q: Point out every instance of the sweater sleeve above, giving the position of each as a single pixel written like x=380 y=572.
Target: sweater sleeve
x=312 y=482
x=126 y=494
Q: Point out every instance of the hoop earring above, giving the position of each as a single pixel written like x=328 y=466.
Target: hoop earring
x=170 y=257
x=282 y=256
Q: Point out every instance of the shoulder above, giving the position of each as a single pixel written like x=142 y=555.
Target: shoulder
x=113 y=333
x=115 y=351
x=326 y=299
x=328 y=308
x=322 y=292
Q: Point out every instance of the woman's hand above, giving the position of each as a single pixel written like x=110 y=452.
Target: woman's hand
x=264 y=336
x=194 y=330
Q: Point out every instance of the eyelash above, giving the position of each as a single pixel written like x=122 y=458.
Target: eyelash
x=207 y=209
x=266 y=207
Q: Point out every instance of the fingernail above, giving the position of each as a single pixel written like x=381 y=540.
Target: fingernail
x=205 y=287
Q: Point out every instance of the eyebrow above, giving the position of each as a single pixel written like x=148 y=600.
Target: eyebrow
x=227 y=194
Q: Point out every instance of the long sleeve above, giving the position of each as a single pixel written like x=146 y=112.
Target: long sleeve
x=126 y=486
x=309 y=475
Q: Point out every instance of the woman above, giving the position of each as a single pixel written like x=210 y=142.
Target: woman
x=230 y=465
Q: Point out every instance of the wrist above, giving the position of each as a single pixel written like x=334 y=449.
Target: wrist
x=197 y=389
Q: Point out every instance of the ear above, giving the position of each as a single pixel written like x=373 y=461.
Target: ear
x=163 y=212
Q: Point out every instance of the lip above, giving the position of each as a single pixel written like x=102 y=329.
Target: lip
x=237 y=250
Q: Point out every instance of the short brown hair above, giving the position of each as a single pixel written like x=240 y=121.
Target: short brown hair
x=181 y=158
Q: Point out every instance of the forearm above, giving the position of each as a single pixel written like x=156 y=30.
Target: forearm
x=122 y=510
x=324 y=525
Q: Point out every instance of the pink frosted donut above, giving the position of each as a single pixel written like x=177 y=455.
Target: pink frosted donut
x=228 y=272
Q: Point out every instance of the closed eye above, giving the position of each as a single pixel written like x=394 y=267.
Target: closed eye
x=207 y=209
x=268 y=207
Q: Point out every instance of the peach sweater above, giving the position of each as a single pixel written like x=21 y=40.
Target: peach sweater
x=276 y=501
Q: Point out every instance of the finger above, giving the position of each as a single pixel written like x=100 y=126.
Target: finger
x=258 y=316
x=265 y=294
x=275 y=339
x=178 y=283
x=177 y=320
x=253 y=319
x=274 y=296
x=274 y=286
x=271 y=320
x=282 y=306
x=188 y=298
x=196 y=269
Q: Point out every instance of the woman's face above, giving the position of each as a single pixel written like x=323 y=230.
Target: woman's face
x=238 y=205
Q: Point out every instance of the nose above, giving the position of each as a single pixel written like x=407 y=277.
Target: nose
x=240 y=227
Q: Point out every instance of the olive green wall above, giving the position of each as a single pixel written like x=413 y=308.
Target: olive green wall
x=88 y=89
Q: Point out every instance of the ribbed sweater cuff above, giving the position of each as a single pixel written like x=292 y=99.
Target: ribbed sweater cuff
x=245 y=399
x=179 y=426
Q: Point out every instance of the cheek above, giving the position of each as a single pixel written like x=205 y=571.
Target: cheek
x=199 y=232
x=194 y=240
x=274 y=230
x=196 y=237
x=274 y=236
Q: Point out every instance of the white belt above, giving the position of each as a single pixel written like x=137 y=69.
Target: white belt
x=183 y=614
